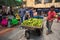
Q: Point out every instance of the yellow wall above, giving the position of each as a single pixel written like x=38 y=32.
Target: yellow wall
x=30 y=3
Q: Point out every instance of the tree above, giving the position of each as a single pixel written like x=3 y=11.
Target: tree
x=19 y=0
x=10 y=2
x=2 y=2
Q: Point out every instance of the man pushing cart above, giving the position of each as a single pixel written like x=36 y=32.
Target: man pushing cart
x=31 y=29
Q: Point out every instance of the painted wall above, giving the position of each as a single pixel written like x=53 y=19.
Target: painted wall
x=31 y=3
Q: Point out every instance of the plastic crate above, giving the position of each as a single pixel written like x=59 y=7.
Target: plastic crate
x=38 y=17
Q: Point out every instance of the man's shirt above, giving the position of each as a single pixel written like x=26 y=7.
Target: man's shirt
x=51 y=15
x=22 y=12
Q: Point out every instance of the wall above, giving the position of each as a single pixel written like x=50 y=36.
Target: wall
x=31 y=3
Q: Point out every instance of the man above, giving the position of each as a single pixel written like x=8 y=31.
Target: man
x=50 y=18
x=27 y=15
x=4 y=13
x=22 y=12
x=31 y=12
x=11 y=12
x=34 y=12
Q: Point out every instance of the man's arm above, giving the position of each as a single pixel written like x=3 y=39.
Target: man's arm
x=48 y=17
x=19 y=11
x=54 y=14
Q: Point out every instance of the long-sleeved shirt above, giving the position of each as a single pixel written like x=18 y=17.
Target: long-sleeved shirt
x=51 y=15
x=22 y=12
x=31 y=13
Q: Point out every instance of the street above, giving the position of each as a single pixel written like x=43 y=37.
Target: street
x=18 y=33
x=54 y=36
x=26 y=19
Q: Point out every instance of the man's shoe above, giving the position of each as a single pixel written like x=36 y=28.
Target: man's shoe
x=51 y=32
x=47 y=33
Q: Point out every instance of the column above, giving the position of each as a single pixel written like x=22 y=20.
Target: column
x=53 y=1
x=42 y=1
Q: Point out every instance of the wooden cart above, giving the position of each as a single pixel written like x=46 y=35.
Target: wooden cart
x=29 y=30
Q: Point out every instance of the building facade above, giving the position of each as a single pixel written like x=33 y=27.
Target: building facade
x=42 y=3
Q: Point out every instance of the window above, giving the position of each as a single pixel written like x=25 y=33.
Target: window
x=47 y=1
x=38 y=1
x=57 y=0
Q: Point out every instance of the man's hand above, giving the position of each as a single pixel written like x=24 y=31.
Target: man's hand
x=56 y=16
x=50 y=20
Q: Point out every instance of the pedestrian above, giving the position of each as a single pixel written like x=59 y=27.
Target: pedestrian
x=10 y=16
x=4 y=16
x=0 y=17
x=31 y=11
x=34 y=12
x=27 y=15
x=4 y=13
x=22 y=12
x=50 y=18
x=11 y=13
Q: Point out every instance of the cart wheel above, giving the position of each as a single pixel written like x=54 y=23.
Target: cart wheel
x=41 y=30
x=38 y=32
x=27 y=34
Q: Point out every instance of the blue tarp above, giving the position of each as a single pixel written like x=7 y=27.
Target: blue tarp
x=57 y=10
x=47 y=9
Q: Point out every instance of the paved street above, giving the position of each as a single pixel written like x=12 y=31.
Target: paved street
x=15 y=14
x=54 y=36
x=18 y=34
